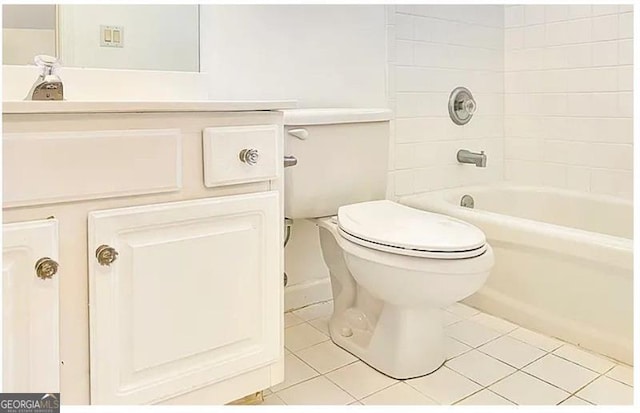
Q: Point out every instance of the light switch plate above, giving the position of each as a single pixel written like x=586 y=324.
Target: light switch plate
x=111 y=36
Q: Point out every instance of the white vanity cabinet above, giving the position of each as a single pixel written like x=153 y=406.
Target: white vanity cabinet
x=190 y=299
x=170 y=277
x=30 y=294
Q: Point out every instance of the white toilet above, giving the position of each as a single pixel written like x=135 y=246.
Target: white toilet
x=392 y=267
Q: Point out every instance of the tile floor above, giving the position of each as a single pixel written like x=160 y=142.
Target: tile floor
x=490 y=361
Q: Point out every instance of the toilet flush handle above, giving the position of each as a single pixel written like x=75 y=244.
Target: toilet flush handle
x=299 y=133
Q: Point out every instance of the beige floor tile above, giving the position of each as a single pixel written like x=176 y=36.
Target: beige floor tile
x=471 y=333
x=272 y=400
x=295 y=371
x=575 y=401
x=302 y=336
x=449 y=318
x=315 y=392
x=541 y=341
x=605 y=391
x=462 y=310
x=622 y=373
x=321 y=324
x=560 y=372
x=454 y=348
x=445 y=386
x=291 y=320
x=314 y=311
x=325 y=356
x=584 y=358
x=512 y=351
x=524 y=389
x=398 y=394
x=360 y=380
x=494 y=323
x=480 y=368
x=485 y=398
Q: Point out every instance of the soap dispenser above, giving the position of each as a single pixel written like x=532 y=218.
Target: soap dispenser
x=48 y=86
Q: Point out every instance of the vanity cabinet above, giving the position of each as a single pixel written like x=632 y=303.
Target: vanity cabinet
x=170 y=278
x=190 y=299
x=30 y=294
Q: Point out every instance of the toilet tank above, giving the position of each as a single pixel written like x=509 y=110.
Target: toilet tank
x=342 y=159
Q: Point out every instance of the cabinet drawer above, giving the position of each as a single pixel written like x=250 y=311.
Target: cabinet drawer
x=49 y=167
x=225 y=163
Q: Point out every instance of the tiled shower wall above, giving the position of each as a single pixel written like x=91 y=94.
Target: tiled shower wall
x=431 y=50
x=568 y=96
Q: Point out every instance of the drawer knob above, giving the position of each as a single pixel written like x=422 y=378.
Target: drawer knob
x=249 y=156
x=106 y=255
x=46 y=268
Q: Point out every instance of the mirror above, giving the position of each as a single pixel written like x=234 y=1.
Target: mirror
x=140 y=37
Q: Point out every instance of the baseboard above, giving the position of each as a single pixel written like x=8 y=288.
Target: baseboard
x=304 y=294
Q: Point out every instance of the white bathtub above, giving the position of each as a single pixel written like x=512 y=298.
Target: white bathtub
x=564 y=260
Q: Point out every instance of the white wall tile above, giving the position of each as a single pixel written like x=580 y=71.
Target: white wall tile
x=404 y=52
x=605 y=27
x=605 y=53
x=579 y=11
x=556 y=12
x=534 y=36
x=404 y=26
x=625 y=78
x=580 y=91
x=625 y=52
x=514 y=16
x=626 y=26
x=533 y=14
x=579 y=31
x=603 y=9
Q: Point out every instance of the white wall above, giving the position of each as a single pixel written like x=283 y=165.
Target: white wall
x=156 y=37
x=27 y=31
x=19 y=46
x=432 y=50
x=320 y=55
x=568 y=97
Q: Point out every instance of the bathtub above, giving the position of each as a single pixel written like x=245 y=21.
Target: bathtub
x=563 y=260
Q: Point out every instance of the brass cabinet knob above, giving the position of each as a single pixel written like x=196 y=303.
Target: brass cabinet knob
x=46 y=268
x=249 y=156
x=106 y=255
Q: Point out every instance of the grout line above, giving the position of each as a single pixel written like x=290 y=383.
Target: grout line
x=467 y=46
x=500 y=28
x=482 y=386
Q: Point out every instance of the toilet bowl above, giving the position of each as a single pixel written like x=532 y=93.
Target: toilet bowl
x=388 y=297
x=392 y=268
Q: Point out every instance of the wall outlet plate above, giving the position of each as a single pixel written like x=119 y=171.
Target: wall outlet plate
x=111 y=36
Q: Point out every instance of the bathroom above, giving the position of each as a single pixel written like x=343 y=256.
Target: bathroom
x=454 y=185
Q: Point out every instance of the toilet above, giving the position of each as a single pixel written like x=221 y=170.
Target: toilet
x=392 y=267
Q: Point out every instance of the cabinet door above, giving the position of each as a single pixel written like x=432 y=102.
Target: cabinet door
x=192 y=298
x=30 y=356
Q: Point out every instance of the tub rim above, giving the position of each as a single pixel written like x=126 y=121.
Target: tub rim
x=442 y=205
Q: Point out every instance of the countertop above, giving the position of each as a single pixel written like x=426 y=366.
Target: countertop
x=66 y=106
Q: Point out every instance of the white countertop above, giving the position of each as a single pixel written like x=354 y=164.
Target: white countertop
x=67 y=106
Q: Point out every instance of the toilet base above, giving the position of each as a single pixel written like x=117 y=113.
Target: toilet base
x=403 y=343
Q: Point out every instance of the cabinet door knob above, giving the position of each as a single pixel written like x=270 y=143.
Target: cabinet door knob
x=249 y=156
x=46 y=268
x=106 y=255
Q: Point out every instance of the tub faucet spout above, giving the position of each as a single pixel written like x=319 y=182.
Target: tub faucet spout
x=477 y=159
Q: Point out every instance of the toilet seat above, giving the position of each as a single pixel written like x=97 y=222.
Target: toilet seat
x=391 y=227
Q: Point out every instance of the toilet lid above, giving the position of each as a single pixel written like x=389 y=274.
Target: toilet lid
x=392 y=227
